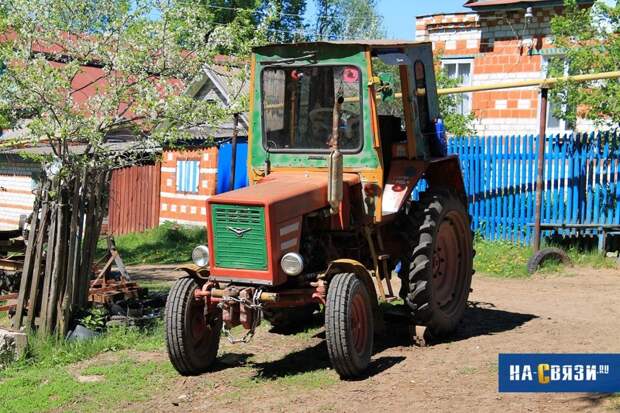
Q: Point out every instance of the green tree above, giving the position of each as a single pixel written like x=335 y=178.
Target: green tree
x=145 y=64
x=76 y=72
x=282 y=20
x=285 y=20
x=590 y=43
x=456 y=124
x=348 y=19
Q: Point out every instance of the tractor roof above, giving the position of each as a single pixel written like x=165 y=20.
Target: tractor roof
x=378 y=44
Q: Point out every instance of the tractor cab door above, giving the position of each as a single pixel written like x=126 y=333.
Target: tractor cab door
x=423 y=95
x=407 y=109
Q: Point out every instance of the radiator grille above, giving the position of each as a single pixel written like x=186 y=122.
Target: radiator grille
x=239 y=237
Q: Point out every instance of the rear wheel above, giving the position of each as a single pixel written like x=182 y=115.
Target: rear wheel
x=441 y=262
x=348 y=325
x=192 y=337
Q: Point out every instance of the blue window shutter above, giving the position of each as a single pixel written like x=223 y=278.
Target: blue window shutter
x=188 y=173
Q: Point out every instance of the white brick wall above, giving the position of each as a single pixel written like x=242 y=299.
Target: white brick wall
x=506 y=126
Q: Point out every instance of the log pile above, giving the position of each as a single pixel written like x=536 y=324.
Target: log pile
x=62 y=239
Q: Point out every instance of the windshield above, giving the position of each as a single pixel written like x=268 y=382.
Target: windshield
x=298 y=108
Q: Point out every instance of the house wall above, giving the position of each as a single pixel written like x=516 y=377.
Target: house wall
x=17 y=181
x=496 y=43
x=187 y=207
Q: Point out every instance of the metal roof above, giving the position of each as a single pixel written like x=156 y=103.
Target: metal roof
x=475 y=4
x=367 y=43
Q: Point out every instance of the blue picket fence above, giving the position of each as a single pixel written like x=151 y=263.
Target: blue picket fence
x=580 y=187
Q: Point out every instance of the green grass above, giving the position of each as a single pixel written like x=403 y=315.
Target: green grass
x=156 y=286
x=304 y=381
x=169 y=243
x=44 y=352
x=51 y=388
x=42 y=381
x=508 y=260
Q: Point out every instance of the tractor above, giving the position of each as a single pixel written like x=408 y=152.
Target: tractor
x=341 y=133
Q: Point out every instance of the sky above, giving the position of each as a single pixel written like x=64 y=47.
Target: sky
x=399 y=15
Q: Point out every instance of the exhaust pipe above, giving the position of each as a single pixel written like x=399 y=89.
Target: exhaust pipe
x=335 y=165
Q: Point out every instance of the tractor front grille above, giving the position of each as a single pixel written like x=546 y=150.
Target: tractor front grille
x=239 y=236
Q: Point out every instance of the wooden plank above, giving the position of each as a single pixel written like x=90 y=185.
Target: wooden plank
x=35 y=290
x=58 y=271
x=49 y=264
x=519 y=189
x=606 y=182
x=77 y=260
x=596 y=180
x=563 y=180
x=67 y=302
x=156 y=194
x=616 y=162
x=24 y=285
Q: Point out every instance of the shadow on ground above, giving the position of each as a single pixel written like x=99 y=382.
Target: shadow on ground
x=230 y=361
x=482 y=319
x=479 y=319
x=598 y=400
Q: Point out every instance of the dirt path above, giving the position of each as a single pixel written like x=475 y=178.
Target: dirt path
x=576 y=312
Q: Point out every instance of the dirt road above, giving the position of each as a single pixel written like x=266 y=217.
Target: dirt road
x=578 y=311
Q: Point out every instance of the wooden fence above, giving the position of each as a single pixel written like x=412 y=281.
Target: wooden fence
x=581 y=185
x=134 y=199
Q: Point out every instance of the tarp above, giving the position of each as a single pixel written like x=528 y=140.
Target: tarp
x=223 y=167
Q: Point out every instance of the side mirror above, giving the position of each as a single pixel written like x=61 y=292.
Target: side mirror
x=386 y=86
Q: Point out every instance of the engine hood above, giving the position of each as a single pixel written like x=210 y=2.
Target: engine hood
x=287 y=195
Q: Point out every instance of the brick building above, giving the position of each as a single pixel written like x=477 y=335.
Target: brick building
x=499 y=41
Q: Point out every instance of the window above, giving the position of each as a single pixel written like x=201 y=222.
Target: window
x=460 y=69
x=426 y=124
x=298 y=108
x=188 y=173
x=554 y=125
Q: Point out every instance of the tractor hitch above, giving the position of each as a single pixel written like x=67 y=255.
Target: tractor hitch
x=244 y=305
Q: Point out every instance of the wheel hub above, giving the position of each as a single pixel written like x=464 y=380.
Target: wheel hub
x=359 y=324
x=446 y=262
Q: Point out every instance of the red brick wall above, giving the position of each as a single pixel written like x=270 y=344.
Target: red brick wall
x=187 y=208
x=493 y=41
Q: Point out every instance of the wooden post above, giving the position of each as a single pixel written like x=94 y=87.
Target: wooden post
x=36 y=270
x=49 y=265
x=541 y=166
x=67 y=301
x=24 y=285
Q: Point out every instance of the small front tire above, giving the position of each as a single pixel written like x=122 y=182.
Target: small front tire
x=192 y=339
x=348 y=325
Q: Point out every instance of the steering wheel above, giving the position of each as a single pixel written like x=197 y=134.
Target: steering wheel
x=322 y=122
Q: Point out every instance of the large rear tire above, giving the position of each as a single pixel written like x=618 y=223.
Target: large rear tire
x=348 y=325
x=192 y=339
x=441 y=262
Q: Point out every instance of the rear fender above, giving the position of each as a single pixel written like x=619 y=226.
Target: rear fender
x=405 y=174
x=446 y=173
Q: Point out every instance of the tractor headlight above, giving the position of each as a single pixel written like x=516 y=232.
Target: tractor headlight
x=292 y=263
x=200 y=255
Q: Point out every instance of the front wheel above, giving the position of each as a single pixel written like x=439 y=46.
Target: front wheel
x=192 y=337
x=348 y=325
